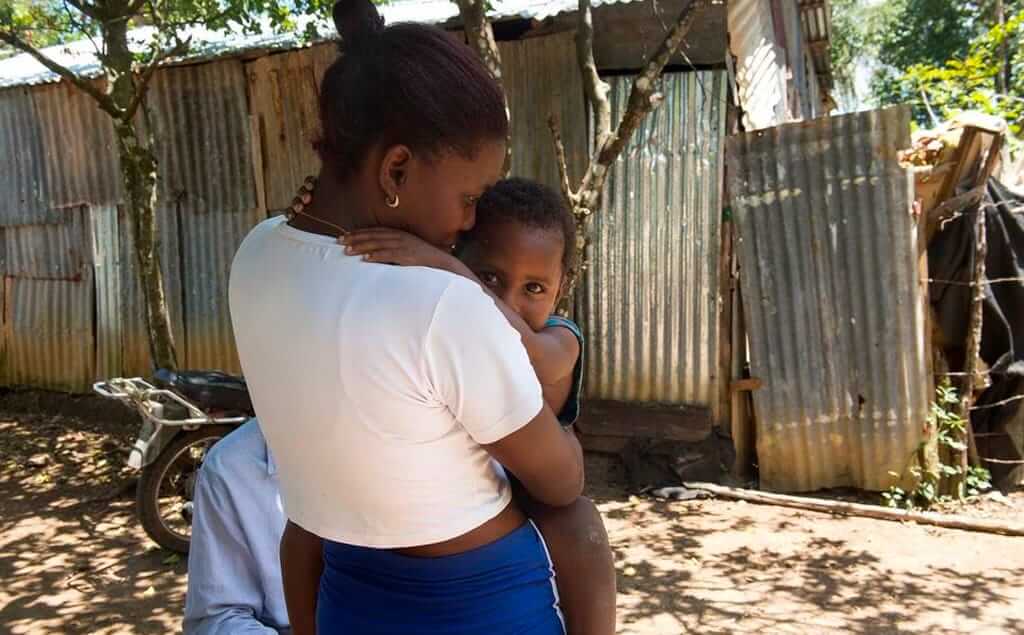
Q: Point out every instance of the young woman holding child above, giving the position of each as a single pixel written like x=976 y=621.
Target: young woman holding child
x=387 y=394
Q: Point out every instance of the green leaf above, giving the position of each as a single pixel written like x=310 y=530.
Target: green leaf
x=171 y=559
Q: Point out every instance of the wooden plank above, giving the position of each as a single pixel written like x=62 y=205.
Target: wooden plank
x=627 y=420
x=284 y=100
x=539 y=81
x=748 y=384
x=625 y=35
x=602 y=444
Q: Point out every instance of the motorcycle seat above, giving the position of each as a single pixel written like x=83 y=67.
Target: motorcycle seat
x=210 y=390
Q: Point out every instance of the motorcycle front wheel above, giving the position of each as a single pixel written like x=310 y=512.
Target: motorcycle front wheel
x=167 y=486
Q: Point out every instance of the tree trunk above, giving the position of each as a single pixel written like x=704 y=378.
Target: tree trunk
x=609 y=143
x=139 y=170
x=480 y=36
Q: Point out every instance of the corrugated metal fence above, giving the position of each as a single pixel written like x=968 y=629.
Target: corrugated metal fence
x=234 y=142
x=649 y=301
x=828 y=253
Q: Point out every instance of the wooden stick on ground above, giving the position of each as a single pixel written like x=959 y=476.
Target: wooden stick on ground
x=858 y=509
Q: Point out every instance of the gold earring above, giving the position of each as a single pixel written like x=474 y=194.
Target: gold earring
x=392 y=202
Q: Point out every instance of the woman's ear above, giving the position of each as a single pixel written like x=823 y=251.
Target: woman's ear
x=394 y=170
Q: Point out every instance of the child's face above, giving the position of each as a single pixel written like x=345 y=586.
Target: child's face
x=521 y=265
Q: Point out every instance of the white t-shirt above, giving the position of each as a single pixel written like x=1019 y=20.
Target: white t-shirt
x=375 y=386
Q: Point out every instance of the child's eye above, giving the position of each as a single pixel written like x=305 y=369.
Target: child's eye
x=534 y=288
x=489 y=279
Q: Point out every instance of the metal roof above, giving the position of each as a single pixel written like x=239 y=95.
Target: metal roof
x=81 y=56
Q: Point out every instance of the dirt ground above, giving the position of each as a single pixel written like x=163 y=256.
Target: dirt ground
x=74 y=560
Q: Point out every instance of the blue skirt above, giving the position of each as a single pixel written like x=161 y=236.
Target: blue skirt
x=504 y=588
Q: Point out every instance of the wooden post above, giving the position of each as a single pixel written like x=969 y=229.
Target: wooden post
x=971 y=350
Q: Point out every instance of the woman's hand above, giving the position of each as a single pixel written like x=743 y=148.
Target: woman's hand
x=396 y=247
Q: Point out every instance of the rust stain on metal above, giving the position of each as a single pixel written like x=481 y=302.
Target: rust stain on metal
x=648 y=304
x=835 y=308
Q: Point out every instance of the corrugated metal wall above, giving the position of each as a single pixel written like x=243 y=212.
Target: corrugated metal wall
x=48 y=303
x=48 y=335
x=106 y=259
x=541 y=78
x=22 y=160
x=208 y=199
x=135 y=355
x=760 y=64
x=648 y=303
x=835 y=311
x=233 y=142
x=81 y=164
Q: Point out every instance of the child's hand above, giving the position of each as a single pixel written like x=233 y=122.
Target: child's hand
x=396 y=247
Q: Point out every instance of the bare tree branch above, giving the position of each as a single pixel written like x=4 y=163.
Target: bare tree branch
x=87 y=9
x=642 y=97
x=103 y=100
x=78 y=24
x=563 y=166
x=142 y=87
x=596 y=88
x=481 y=37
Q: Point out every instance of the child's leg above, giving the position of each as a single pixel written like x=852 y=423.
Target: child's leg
x=584 y=565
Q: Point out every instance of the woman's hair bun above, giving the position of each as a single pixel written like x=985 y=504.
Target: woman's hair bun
x=356 y=21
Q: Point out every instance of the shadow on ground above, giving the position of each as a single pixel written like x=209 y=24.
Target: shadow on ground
x=74 y=559
x=723 y=567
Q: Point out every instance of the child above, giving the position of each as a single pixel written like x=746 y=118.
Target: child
x=521 y=251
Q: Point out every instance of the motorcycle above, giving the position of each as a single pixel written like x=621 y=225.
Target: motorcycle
x=183 y=415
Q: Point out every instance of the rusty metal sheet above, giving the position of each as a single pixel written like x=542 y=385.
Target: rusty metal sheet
x=283 y=100
x=816 y=22
x=80 y=152
x=816 y=18
x=106 y=262
x=209 y=245
x=834 y=303
x=539 y=82
x=48 y=333
x=53 y=250
x=135 y=354
x=203 y=135
x=23 y=177
x=760 y=64
x=648 y=303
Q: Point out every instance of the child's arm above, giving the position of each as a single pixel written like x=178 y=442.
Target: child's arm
x=553 y=351
x=302 y=563
x=558 y=389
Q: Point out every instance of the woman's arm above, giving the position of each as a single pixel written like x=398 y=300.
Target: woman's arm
x=477 y=368
x=302 y=563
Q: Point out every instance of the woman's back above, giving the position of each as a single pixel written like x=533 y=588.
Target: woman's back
x=377 y=387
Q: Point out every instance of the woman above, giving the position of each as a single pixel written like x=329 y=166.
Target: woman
x=387 y=393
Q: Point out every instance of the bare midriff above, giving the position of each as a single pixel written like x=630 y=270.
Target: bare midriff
x=510 y=519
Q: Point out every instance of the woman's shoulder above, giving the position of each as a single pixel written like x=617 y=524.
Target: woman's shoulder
x=419 y=286
x=420 y=300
